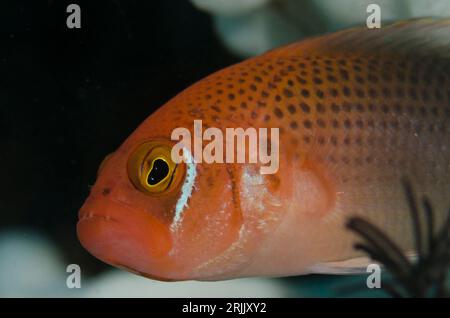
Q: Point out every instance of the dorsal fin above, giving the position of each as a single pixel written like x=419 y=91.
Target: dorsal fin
x=416 y=37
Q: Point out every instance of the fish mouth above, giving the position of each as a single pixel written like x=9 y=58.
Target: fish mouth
x=88 y=215
x=98 y=208
x=125 y=237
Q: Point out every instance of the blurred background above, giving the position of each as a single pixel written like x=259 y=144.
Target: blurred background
x=68 y=97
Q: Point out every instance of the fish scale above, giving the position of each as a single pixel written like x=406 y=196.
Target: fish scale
x=363 y=118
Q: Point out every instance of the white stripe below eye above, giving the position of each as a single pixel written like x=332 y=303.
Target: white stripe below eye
x=186 y=189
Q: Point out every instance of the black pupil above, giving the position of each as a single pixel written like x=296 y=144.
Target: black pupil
x=159 y=172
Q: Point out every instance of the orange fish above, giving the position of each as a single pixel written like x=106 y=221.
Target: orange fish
x=356 y=109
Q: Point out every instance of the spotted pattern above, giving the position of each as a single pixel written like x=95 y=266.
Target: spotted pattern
x=350 y=111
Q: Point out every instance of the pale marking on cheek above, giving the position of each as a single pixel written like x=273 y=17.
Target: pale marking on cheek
x=186 y=190
x=229 y=260
x=260 y=211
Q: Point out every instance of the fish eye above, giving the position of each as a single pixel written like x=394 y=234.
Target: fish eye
x=151 y=169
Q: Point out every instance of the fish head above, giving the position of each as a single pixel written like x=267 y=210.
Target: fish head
x=173 y=221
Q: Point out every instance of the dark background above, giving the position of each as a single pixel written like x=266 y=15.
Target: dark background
x=68 y=97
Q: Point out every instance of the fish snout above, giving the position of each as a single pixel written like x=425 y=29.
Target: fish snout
x=125 y=237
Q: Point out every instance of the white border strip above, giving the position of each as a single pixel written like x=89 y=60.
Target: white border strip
x=186 y=189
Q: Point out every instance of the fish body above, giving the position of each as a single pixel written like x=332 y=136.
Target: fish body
x=357 y=111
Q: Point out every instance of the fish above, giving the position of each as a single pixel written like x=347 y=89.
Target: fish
x=357 y=110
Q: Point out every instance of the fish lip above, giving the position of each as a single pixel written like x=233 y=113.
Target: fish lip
x=88 y=215
x=144 y=274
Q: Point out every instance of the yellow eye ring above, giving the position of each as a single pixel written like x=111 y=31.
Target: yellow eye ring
x=151 y=169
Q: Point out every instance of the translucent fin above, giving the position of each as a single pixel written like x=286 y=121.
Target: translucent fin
x=354 y=266
x=417 y=37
